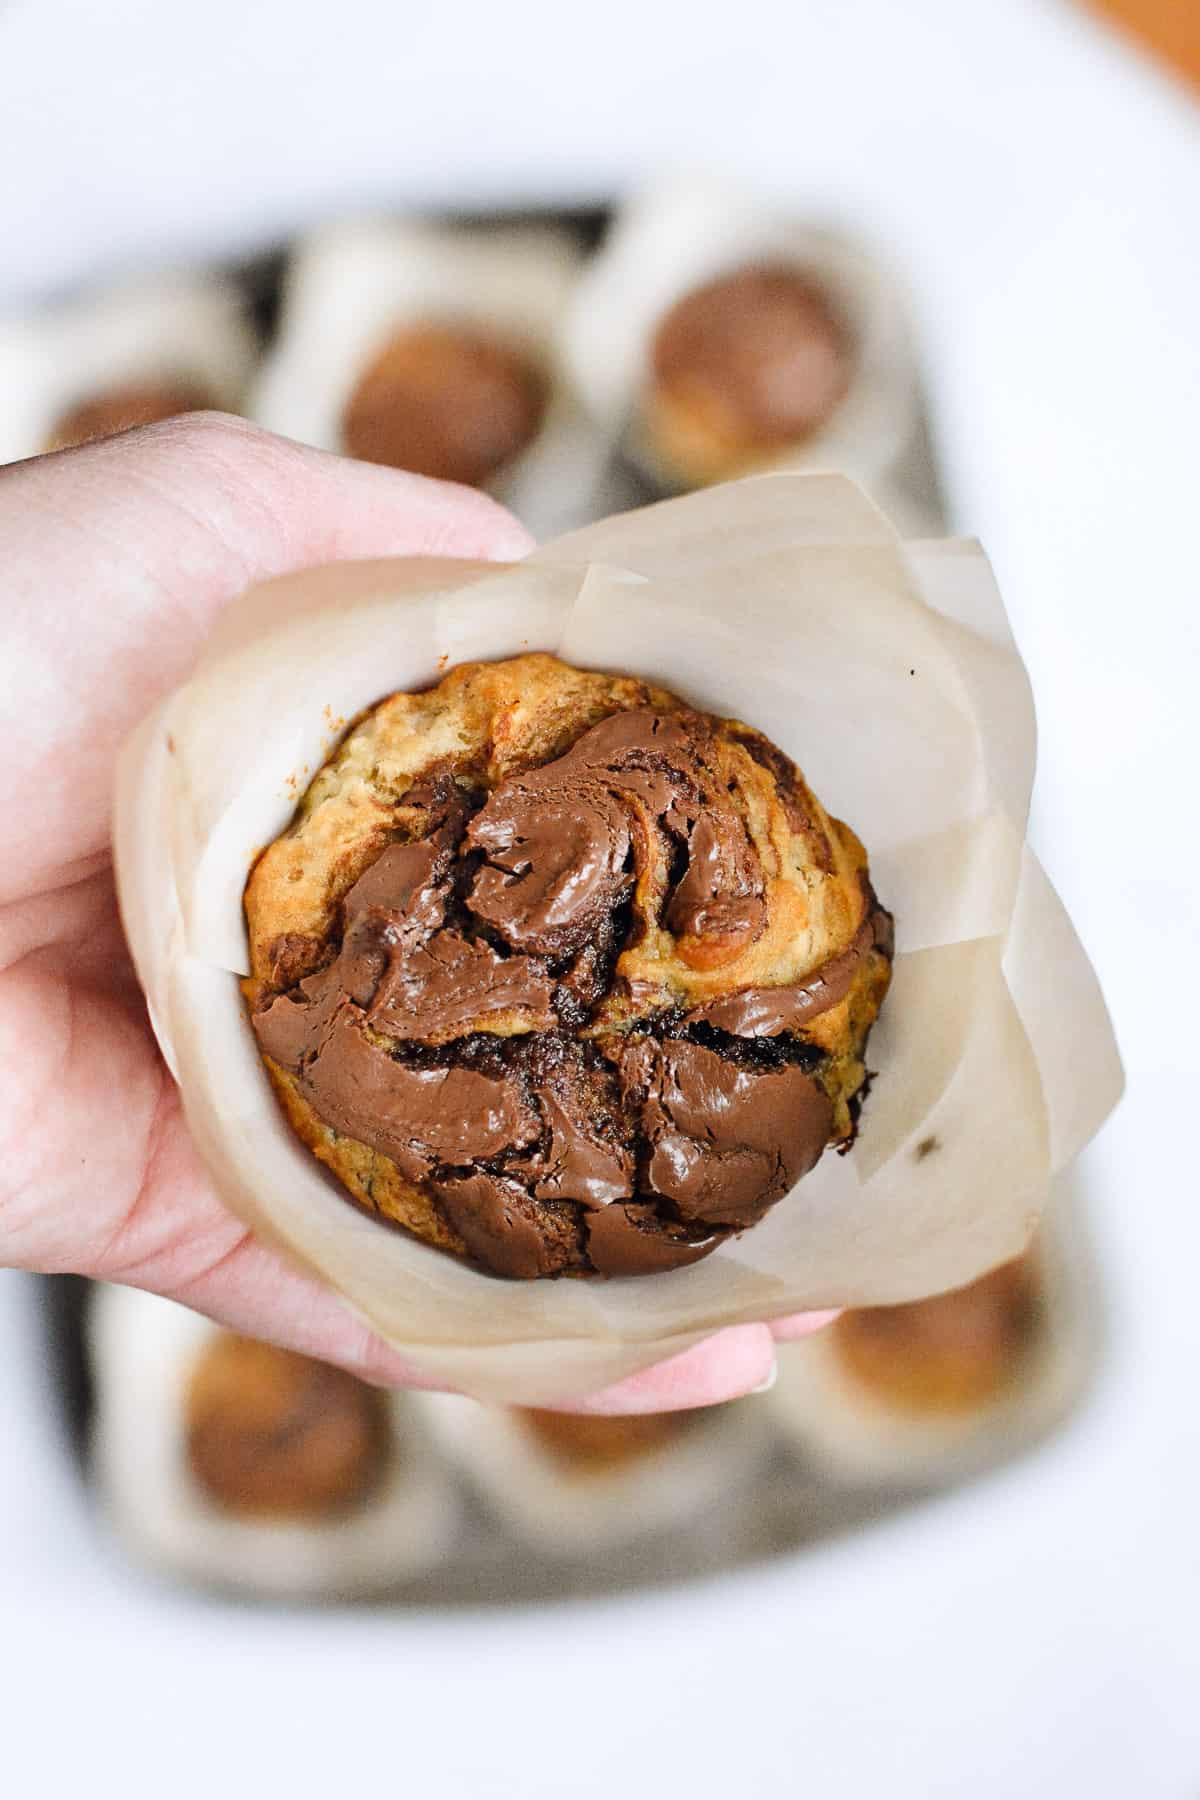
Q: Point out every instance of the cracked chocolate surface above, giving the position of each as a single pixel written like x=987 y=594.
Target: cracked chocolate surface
x=470 y=1021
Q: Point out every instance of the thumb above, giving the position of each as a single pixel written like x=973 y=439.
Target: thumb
x=118 y=557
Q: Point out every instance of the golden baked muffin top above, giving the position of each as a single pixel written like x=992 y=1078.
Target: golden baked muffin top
x=750 y=363
x=562 y=974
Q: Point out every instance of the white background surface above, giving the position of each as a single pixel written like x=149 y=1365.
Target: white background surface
x=1034 y=1636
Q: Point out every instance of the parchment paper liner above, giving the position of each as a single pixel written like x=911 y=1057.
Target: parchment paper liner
x=683 y=231
x=348 y=288
x=564 y=1509
x=142 y=1351
x=862 y=1440
x=889 y=673
x=172 y=326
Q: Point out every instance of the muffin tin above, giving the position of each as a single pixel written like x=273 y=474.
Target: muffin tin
x=776 y=1473
x=809 y=1460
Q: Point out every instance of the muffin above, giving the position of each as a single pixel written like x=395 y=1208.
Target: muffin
x=930 y=1391
x=254 y=1469
x=562 y=975
x=953 y=1352
x=433 y=348
x=581 y=1486
x=747 y=365
x=273 y=1434
x=120 y=408
x=714 y=335
x=445 y=401
x=602 y=1440
x=127 y=356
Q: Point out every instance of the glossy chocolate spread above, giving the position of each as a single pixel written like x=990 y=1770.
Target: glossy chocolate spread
x=450 y=1029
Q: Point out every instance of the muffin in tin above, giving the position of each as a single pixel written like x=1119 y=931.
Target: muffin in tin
x=276 y=1435
x=715 y=334
x=749 y=364
x=254 y=1469
x=131 y=355
x=948 y=1354
x=434 y=348
x=935 y=1389
x=578 y=1485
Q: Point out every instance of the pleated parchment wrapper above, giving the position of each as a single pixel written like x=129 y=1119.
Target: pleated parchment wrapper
x=888 y=672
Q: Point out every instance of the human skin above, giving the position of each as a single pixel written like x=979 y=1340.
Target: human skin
x=117 y=558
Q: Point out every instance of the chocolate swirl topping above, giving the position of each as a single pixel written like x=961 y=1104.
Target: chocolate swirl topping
x=459 y=1027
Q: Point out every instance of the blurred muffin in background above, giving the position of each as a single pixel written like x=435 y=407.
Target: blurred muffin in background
x=927 y=1392
x=954 y=1351
x=750 y=363
x=121 y=408
x=599 y=1440
x=714 y=334
x=244 y=1467
x=131 y=355
x=577 y=1485
x=445 y=401
x=272 y=1434
x=435 y=348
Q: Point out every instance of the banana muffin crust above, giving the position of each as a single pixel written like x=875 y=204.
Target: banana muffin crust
x=562 y=975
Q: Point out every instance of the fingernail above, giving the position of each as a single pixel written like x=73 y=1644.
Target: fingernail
x=764 y=1387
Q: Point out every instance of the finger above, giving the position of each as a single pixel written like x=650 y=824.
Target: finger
x=119 y=556
x=120 y=1195
x=739 y=1360
x=179 y=1240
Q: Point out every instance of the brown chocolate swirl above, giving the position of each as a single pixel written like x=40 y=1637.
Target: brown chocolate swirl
x=725 y=1141
x=565 y=843
x=765 y=1012
x=457 y=1025
x=423 y=1118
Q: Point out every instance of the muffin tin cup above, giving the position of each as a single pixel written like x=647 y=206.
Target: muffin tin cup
x=190 y=328
x=682 y=232
x=862 y=1441
x=563 y=1509
x=142 y=1351
x=349 y=288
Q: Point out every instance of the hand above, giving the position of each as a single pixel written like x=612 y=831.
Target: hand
x=117 y=558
